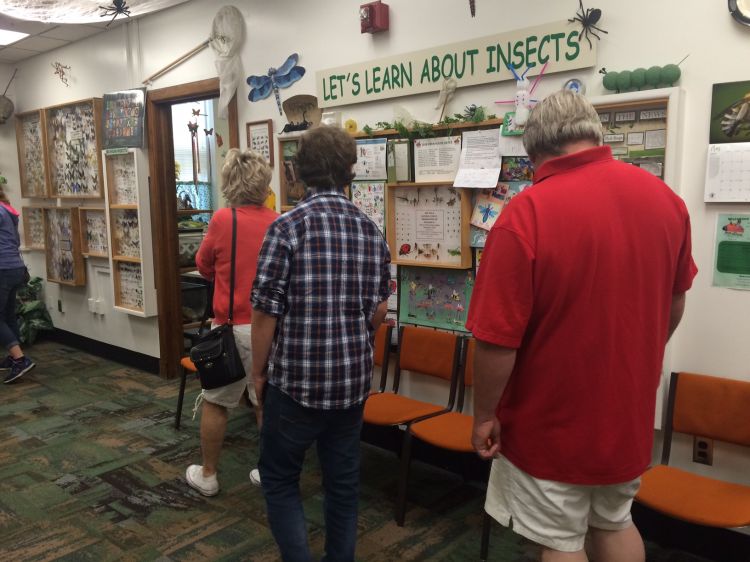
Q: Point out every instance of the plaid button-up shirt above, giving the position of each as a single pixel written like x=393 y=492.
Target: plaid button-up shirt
x=322 y=271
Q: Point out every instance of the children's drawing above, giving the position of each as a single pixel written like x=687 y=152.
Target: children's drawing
x=435 y=297
x=370 y=199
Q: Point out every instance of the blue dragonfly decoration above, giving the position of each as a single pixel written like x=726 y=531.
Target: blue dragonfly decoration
x=282 y=77
x=487 y=212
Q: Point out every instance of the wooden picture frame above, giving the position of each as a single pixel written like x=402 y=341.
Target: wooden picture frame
x=94 y=241
x=64 y=259
x=260 y=138
x=31 y=142
x=33 y=228
x=73 y=155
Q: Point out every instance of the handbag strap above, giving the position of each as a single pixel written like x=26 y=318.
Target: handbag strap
x=231 y=275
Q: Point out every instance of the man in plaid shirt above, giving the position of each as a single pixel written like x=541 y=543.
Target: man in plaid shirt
x=319 y=295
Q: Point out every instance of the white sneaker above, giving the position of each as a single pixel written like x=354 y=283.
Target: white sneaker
x=255 y=477
x=206 y=485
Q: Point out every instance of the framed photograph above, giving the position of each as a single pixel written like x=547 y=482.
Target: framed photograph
x=260 y=138
x=63 y=246
x=729 y=107
x=31 y=148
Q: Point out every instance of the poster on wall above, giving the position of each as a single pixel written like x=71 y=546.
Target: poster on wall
x=732 y=251
x=371 y=160
x=438 y=298
x=369 y=197
x=480 y=159
x=730 y=113
x=123 y=118
x=437 y=159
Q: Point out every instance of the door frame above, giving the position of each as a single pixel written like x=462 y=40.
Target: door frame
x=163 y=199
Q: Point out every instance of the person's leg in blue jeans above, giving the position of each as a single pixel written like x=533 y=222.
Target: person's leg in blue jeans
x=10 y=279
x=288 y=430
x=338 y=451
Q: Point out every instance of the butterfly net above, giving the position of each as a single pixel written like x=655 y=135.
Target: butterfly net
x=227 y=36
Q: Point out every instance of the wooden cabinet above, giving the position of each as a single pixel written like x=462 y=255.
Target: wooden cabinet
x=30 y=141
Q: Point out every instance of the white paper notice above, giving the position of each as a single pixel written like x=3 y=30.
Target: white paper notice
x=436 y=160
x=371 y=160
x=480 y=159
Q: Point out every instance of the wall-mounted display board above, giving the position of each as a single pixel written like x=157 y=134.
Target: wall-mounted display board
x=642 y=129
x=435 y=297
x=33 y=227
x=428 y=224
x=30 y=141
x=129 y=231
x=291 y=189
x=73 y=149
x=63 y=246
x=93 y=232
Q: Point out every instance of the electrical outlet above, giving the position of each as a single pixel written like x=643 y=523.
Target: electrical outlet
x=703 y=450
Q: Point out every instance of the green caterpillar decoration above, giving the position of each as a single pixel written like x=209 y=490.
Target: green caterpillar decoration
x=640 y=78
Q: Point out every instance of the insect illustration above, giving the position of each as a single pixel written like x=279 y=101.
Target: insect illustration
x=404 y=249
x=282 y=77
x=118 y=7
x=588 y=18
x=736 y=118
x=487 y=212
x=437 y=199
x=454 y=251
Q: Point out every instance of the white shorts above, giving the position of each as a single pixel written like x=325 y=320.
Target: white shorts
x=555 y=514
x=229 y=396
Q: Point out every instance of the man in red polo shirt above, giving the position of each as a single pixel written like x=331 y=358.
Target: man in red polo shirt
x=583 y=280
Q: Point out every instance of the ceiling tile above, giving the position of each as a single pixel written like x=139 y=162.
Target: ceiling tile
x=30 y=27
x=39 y=44
x=71 y=32
x=11 y=54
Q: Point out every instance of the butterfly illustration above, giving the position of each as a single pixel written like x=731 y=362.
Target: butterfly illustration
x=488 y=212
x=282 y=77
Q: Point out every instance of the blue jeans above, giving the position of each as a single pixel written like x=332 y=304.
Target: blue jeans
x=10 y=280
x=289 y=429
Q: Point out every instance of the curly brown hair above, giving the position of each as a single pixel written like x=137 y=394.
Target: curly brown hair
x=325 y=157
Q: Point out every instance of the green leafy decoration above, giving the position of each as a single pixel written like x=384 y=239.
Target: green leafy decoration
x=32 y=313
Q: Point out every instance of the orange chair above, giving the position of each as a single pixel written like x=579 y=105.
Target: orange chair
x=709 y=407
x=186 y=366
x=450 y=430
x=382 y=352
x=424 y=351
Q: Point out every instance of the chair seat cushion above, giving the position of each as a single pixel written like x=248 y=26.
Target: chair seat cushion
x=695 y=498
x=448 y=431
x=188 y=365
x=386 y=408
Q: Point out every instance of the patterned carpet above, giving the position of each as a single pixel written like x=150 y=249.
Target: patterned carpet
x=91 y=468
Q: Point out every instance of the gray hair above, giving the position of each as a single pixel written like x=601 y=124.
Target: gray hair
x=245 y=178
x=561 y=118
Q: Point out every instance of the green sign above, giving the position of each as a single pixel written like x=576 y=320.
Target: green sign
x=477 y=61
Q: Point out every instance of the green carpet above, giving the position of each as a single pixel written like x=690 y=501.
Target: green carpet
x=91 y=468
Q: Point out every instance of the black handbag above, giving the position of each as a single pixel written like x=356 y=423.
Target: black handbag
x=215 y=355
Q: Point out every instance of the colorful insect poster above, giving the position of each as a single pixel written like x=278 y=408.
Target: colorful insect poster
x=488 y=206
x=434 y=297
x=516 y=168
x=732 y=254
x=123 y=118
x=369 y=197
x=730 y=113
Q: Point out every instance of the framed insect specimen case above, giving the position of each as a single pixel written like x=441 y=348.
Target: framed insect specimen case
x=428 y=225
x=291 y=188
x=74 y=149
x=93 y=231
x=129 y=231
x=260 y=138
x=33 y=227
x=30 y=141
x=63 y=246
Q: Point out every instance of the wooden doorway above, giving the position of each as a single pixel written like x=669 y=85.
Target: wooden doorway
x=163 y=196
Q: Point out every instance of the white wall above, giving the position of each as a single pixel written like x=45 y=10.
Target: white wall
x=712 y=337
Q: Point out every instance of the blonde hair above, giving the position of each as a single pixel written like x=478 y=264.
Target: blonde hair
x=561 y=118
x=245 y=178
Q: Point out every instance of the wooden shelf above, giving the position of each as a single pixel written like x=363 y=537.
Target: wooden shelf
x=183 y=212
x=424 y=183
x=128 y=259
x=94 y=255
x=124 y=206
x=451 y=127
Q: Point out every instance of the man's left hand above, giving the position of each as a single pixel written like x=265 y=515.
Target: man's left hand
x=485 y=438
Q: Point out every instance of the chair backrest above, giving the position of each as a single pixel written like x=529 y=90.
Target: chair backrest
x=382 y=352
x=467 y=371
x=428 y=352
x=707 y=406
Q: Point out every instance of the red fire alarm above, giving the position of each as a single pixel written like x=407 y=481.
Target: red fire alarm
x=373 y=17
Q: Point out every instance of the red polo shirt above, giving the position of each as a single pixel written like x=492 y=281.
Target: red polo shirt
x=578 y=274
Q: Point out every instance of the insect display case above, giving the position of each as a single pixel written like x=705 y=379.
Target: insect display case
x=291 y=188
x=73 y=161
x=30 y=141
x=63 y=246
x=33 y=227
x=93 y=232
x=129 y=231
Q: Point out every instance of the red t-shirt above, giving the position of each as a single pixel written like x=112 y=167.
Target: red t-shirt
x=215 y=255
x=578 y=275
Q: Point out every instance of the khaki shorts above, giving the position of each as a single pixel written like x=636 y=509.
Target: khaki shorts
x=555 y=514
x=229 y=396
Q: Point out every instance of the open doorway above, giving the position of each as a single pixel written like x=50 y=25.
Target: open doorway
x=168 y=207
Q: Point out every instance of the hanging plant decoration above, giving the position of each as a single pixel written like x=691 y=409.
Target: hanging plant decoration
x=61 y=71
x=588 y=18
x=282 y=77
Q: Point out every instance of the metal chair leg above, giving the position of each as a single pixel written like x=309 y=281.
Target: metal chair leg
x=484 y=550
x=180 y=398
x=403 y=478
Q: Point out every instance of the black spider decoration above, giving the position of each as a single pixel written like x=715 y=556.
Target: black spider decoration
x=588 y=18
x=473 y=8
x=118 y=7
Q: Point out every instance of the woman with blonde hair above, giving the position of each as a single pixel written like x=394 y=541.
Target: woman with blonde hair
x=245 y=179
x=12 y=274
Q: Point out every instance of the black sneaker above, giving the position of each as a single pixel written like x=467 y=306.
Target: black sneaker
x=19 y=368
x=6 y=363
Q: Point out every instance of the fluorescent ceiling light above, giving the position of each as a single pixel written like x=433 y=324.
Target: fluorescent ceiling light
x=8 y=37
